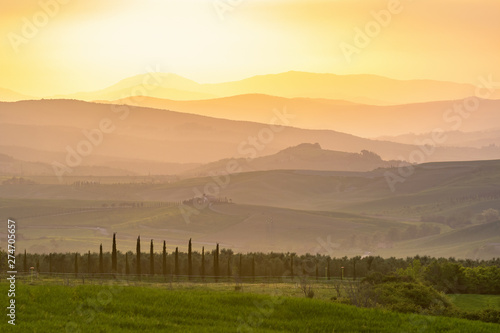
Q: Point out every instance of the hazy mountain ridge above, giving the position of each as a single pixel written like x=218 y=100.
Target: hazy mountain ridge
x=173 y=137
x=338 y=115
x=366 y=89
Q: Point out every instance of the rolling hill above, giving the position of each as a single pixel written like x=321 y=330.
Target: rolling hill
x=305 y=156
x=283 y=210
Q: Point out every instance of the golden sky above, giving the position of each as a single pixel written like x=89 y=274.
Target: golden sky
x=90 y=44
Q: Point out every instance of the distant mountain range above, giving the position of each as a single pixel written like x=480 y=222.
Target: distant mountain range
x=343 y=116
x=365 y=89
x=7 y=95
x=153 y=140
x=454 y=138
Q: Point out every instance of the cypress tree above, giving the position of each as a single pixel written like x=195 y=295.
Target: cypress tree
x=151 y=260
x=25 y=264
x=354 y=260
x=328 y=268
x=138 y=257
x=240 y=267
x=253 y=268
x=101 y=261
x=50 y=263
x=88 y=262
x=190 y=262
x=76 y=264
x=113 y=255
x=203 y=263
x=291 y=266
x=176 y=261
x=164 y=259
x=216 y=262
x=228 y=266
x=127 y=268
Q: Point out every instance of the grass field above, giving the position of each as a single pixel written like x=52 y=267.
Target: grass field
x=476 y=302
x=113 y=308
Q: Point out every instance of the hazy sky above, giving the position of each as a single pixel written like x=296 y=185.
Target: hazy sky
x=90 y=44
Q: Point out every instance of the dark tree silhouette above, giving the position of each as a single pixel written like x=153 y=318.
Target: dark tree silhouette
x=127 y=268
x=88 y=262
x=76 y=264
x=240 y=268
x=190 y=260
x=138 y=258
x=101 y=260
x=216 y=262
x=203 y=263
x=328 y=268
x=113 y=255
x=176 y=261
x=164 y=259
x=151 y=260
x=25 y=263
x=253 y=268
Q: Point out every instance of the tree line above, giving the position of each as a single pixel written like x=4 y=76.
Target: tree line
x=474 y=276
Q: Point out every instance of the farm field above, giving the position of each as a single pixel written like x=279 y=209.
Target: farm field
x=93 y=308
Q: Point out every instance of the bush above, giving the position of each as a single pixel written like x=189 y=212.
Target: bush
x=410 y=297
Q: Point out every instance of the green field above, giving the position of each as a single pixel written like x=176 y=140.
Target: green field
x=113 y=308
x=476 y=302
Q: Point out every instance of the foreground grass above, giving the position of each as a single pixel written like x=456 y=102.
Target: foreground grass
x=92 y=308
x=476 y=302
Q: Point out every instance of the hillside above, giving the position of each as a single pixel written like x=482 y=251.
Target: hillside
x=305 y=156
